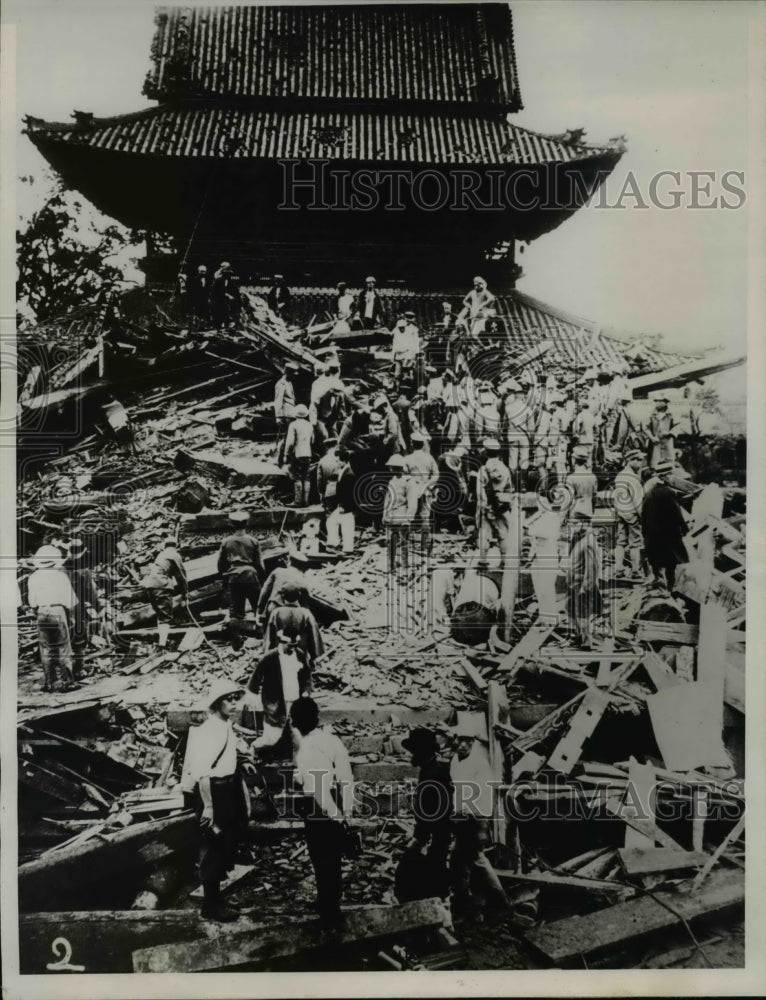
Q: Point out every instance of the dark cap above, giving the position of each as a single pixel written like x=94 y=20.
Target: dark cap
x=421 y=742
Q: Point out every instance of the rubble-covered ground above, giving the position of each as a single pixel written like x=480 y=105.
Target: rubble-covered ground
x=390 y=663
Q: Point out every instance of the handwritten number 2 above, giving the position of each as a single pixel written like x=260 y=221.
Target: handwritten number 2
x=62 y=949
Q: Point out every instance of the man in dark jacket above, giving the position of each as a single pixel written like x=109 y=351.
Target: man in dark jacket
x=432 y=805
x=279 y=298
x=296 y=621
x=241 y=566
x=369 y=306
x=664 y=528
x=280 y=678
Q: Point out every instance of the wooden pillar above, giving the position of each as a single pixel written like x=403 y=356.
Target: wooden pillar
x=510 y=581
x=498 y=711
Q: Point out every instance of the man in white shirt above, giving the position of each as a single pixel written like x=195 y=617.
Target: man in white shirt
x=50 y=593
x=324 y=771
x=405 y=346
x=474 y=805
x=344 y=302
x=210 y=776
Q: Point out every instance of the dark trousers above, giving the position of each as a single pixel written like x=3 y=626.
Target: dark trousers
x=658 y=564
x=472 y=874
x=244 y=586
x=324 y=839
x=218 y=850
x=162 y=602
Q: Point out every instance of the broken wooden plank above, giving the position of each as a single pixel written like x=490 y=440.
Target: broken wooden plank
x=265 y=519
x=241 y=468
x=653 y=860
x=236 y=875
x=472 y=674
x=731 y=837
x=639 y=802
x=672 y=632
x=685 y=733
x=556 y=881
x=497 y=714
x=660 y=673
x=586 y=718
x=47 y=881
x=711 y=659
x=101 y=940
x=527 y=647
x=567 y=940
x=646 y=827
x=260 y=943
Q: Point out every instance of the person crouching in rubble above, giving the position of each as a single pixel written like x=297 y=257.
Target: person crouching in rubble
x=298 y=447
x=583 y=596
x=324 y=771
x=241 y=566
x=211 y=776
x=280 y=677
x=166 y=576
x=422 y=871
x=50 y=593
x=473 y=877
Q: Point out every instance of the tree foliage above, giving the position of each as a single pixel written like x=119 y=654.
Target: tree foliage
x=64 y=260
x=709 y=400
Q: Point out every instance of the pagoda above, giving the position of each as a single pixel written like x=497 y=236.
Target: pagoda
x=254 y=105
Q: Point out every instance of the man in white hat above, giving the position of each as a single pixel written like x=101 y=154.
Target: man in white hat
x=544 y=531
x=50 y=593
x=516 y=420
x=476 y=302
x=327 y=401
x=661 y=430
x=405 y=345
x=343 y=303
x=284 y=405
x=400 y=508
x=585 y=430
x=422 y=468
x=298 y=448
x=581 y=484
x=241 y=566
x=627 y=431
x=494 y=495
x=369 y=305
x=210 y=775
x=280 y=677
x=471 y=871
x=628 y=501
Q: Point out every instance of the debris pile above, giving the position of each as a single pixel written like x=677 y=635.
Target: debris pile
x=619 y=769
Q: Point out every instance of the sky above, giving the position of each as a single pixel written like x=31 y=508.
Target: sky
x=670 y=76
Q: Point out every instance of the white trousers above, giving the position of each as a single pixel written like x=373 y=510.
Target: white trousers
x=341 y=526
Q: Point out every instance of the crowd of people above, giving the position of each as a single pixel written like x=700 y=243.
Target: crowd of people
x=440 y=448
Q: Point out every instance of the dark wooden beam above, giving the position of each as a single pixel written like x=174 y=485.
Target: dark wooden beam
x=255 y=944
